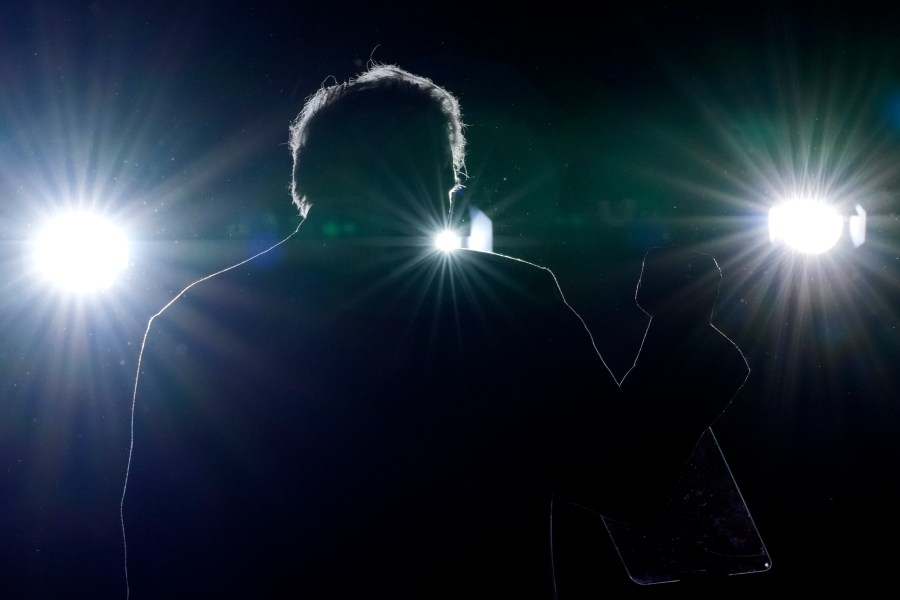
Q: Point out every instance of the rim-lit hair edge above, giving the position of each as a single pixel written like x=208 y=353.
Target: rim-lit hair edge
x=375 y=75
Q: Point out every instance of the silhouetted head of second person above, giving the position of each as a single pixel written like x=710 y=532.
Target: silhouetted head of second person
x=680 y=285
x=377 y=158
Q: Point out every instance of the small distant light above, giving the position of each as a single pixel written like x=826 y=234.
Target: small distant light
x=81 y=252
x=808 y=226
x=447 y=241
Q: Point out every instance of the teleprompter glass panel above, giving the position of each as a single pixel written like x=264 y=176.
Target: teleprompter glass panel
x=706 y=530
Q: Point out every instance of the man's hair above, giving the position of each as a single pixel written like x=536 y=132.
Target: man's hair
x=379 y=76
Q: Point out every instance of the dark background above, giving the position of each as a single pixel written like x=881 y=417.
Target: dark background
x=594 y=134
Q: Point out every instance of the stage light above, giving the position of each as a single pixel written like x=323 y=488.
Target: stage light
x=447 y=241
x=812 y=226
x=81 y=252
x=477 y=233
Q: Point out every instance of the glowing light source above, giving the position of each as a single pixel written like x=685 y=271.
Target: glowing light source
x=477 y=233
x=81 y=252
x=808 y=226
x=447 y=241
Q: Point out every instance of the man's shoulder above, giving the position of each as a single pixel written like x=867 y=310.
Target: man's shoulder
x=506 y=270
x=501 y=260
x=505 y=274
x=221 y=309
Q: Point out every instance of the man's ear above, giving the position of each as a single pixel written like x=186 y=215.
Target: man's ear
x=457 y=201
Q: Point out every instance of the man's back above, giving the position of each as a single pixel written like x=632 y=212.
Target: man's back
x=372 y=417
x=317 y=432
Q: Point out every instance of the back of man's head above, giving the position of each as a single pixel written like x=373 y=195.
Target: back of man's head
x=385 y=145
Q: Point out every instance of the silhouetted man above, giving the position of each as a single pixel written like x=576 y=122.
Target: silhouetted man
x=373 y=417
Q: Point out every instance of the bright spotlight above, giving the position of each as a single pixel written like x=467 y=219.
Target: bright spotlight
x=81 y=252
x=477 y=233
x=808 y=226
x=447 y=241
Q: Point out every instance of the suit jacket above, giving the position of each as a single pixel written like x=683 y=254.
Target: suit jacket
x=393 y=425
